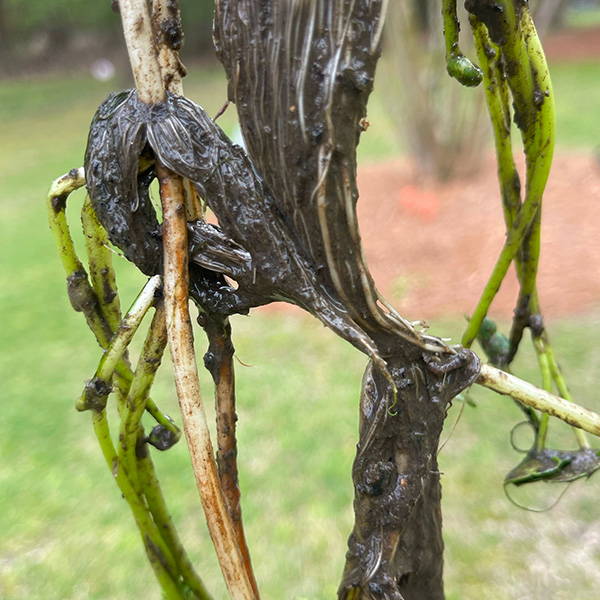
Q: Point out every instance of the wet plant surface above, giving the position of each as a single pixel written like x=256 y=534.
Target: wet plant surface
x=301 y=245
x=378 y=476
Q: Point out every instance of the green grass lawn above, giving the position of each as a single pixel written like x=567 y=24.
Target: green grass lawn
x=588 y=17
x=66 y=533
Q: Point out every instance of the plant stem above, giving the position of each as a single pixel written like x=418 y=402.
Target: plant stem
x=164 y=521
x=542 y=356
x=179 y=328
x=147 y=75
x=531 y=90
x=159 y=555
x=563 y=390
x=451 y=27
x=100 y=305
x=82 y=295
x=80 y=292
x=527 y=260
x=149 y=361
x=98 y=388
x=124 y=466
x=140 y=471
x=166 y=17
x=219 y=361
x=102 y=274
x=133 y=454
x=530 y=395
x=511 y=246
x=137 y=30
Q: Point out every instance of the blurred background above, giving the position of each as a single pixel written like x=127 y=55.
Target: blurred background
x=432 y=227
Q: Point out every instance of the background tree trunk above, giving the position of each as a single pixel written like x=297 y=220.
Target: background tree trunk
x=420 y=94
x=549 y=14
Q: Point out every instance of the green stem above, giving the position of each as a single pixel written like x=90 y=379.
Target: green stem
x=100 y=304
x=538 y=139
x=538 y=164
x=511 y=246
x=98 y=388
x=124 y=372
x=563 y=390
x=135 y=459
x=162 y=419
x=80 y=292
x=496 y=95
x=542 y=356
x=60 y=189
x=530 y=86
x=158 y=553
x=497 y=99
x=150 y=358
x=102 y=274
x=164 y=521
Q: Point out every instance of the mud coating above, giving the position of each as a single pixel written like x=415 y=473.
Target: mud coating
x=300 y=74
x=162 y=438
x=491 y=13
x=557 y=466
x=118 y=192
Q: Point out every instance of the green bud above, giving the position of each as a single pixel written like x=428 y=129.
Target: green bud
x=487 y=329
x=464 y=71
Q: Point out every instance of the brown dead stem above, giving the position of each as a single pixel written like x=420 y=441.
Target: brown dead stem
x=148 y=76
x=175 y=257
x=219 y=361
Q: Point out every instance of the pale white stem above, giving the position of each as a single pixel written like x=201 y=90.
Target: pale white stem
x=67 y=183
x=137 y=30
x=530 y=395
x=129 y=325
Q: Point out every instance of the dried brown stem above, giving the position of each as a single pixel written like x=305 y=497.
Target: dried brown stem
x=147 y=74
x=219 y=361
x=179 y=327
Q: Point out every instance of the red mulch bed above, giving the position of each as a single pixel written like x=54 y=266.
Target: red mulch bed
x=432 y=246
x=573 y=44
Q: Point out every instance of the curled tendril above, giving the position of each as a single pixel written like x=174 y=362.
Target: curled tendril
x=513 y=433
x=548 y=508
